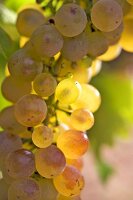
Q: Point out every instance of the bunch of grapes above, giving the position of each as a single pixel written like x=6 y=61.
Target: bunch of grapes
x=45 y=129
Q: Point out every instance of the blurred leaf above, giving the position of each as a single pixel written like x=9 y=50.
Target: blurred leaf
x=15 y=5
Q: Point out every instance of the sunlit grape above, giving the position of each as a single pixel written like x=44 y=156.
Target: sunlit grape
x=30 y=110
x=44 y=84
x=42 y=136
x=49 y=161
x=78 y=163
x=96 y=67
x=24 y=189
x=70 y=19
x=70 y=182
x=73 y=143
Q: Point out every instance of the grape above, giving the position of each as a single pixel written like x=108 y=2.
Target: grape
x=89 y=98
x=44 y=84
x=106 y=15
x=97 y=44
x=48 y=190
x=70 y=20
x=23 y=67
x=130 y=13
x=20 y=163
x=95 y=67
x=42 y=136
x=130 y=1
x=49 y=161
x=28 y=20
x=8 y=143
x=126 y=40
x=70 y=182
x=46 y=41
x=75 y=48
x=3 y=190
x=73 y=143
x=82 y=119
x=124 y=5
x=30 y=110
x=24 y=189
x=13 y=89
x=68 y=91
x=61 y=197
x=8 y=179
x=78 y=163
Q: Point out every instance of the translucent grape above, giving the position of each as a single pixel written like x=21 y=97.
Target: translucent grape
x=70 y=20
x=70 y=182
x=68 y=91
x=49 y=161
x=106 y=15
x=82 y=119
x=75 y=48
x=73 y=143
x=48 y=190
x=28 y=20
x=24 y=67
x=30 y=110
x=3 y=190
x=89 y=99
x=96 y=67
x=61 y=197
x=13 y=89
x=44 y=84
x=42 y=136
x=24 y=189
x=78 y=163
x=46 y=41
x=20 y=163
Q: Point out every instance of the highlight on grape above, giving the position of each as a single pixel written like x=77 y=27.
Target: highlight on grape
x=44 y=132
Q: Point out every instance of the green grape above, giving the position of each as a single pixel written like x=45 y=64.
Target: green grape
x=44 y=84
x=49 y=161
x=97 y=44
x=75 y=48
x=28 y=20
x=48 y=190
x=68 y=91
x=8 y=143
x=82 y=119
x=13 y=89
x=23 y=67
x=20 y=163
x=61 y=197
x=106 y=15
x=70 y=20
x=9 y=123
x=24 y=189
x=73 y=143
x=130 y=1
x=3 y=190
x=42 y=136
x=70 y=182
x=30 y=110
x=90 y=98
x=46 y=41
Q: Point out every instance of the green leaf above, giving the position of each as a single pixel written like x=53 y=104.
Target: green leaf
x=15 y=5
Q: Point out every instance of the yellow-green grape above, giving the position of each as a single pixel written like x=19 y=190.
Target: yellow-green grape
x=20 y=163
x=78 y=163
x=28 y=20
x=97 y=43
x=129 y=14
x=130 y=1
x=48 y=190
x=42 y=136
x=73 y=143
x=61 y=197
x=24 y=189
x=70 y=182
x=8 y=143
x=126 y=40
x=13 y=89
x=68 y=91
x=89 y=98
x=112 y=53
x=124 y=5
x=46 y=41
x=44 y=84
x=96 y=67
x=82 y=119
x=30 y=110
x=3 y=190
x=24 y=67
x=75 y=48
x=106 y=15
x=114 y=36
x=70 y=20
x=50 y=161
x=9 y=123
